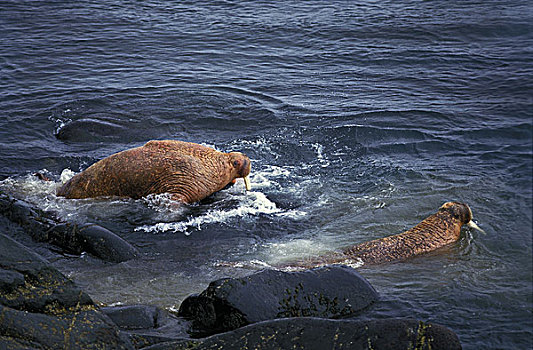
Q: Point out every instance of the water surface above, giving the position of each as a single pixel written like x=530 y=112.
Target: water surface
x=361 y=119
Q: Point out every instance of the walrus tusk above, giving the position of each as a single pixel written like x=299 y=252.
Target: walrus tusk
x=247 y=184
x=473 y=225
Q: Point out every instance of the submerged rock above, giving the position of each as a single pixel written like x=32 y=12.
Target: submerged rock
x=41 y=308
x=317 y=333
x=329 y=292
x=90 y=130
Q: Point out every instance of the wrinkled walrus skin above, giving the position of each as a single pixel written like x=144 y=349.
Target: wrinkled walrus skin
x=188 y=171
x=436 y=231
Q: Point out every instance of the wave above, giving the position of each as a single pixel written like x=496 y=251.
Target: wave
x=250 y=204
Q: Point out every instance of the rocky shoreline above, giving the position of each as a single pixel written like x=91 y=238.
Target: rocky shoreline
x=314 y=309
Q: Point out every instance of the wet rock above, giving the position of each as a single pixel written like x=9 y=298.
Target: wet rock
x=41 y=308
x=82 y=329
x=316 y=333
x=148 y=325
x=43 y=226
x=93 y=239
x=31 y=219
x=42 y=288
x=133 y=316
x=329 y=292
x=10 y=280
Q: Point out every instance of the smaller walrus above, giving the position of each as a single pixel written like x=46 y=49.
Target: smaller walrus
x=187 y=171
x=436 y=231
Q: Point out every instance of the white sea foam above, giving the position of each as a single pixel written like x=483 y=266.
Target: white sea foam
x=66 y=175
x=251 y=264
x=269 y=176
x=301 y=249
x=30 y=187
x=322 y=159
x=296 y=249
x=252 y=204
x=353 y=263
x=60 y=123
x=42 y=194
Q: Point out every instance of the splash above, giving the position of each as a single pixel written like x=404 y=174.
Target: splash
x=295 y=249
x=233 y=204
x=320 y=156
x=251 y=204
x=31 y=188
x=66 y=175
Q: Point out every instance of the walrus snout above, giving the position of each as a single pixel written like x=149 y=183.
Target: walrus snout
x=243 y=166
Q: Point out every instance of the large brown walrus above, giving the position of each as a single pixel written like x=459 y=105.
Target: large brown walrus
x=436 y=231
x=188 y=171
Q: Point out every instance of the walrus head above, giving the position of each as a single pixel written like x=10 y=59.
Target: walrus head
x=241 y=167
x=461 y=212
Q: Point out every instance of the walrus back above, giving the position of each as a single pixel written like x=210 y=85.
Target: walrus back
x=436 y=231
x=115 y=175
x=190 y=172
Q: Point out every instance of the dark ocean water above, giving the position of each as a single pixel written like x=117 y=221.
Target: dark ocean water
x=361 y=119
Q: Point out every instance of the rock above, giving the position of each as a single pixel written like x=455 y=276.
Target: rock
x=316 y=333
x=42 y=288
x=133 y=316
x=89 y=130
x=10 y=280
x=148 y=325
x=82 y=329
x=22 y=213
x=72 y=238
x=93 y=239
x=329 y=292
x=41 y=308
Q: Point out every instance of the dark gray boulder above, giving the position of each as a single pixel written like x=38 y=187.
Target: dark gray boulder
x=31 y=219
x=103 y=127
x=133 y=316
x=317 y=333
x=93 y=239
x=328 y=292
x=9 y=280
x=147 y=325
x=81 y=329
x=41 y=308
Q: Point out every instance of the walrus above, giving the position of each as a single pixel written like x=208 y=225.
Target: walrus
x=189 y=172
x=436 y=231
